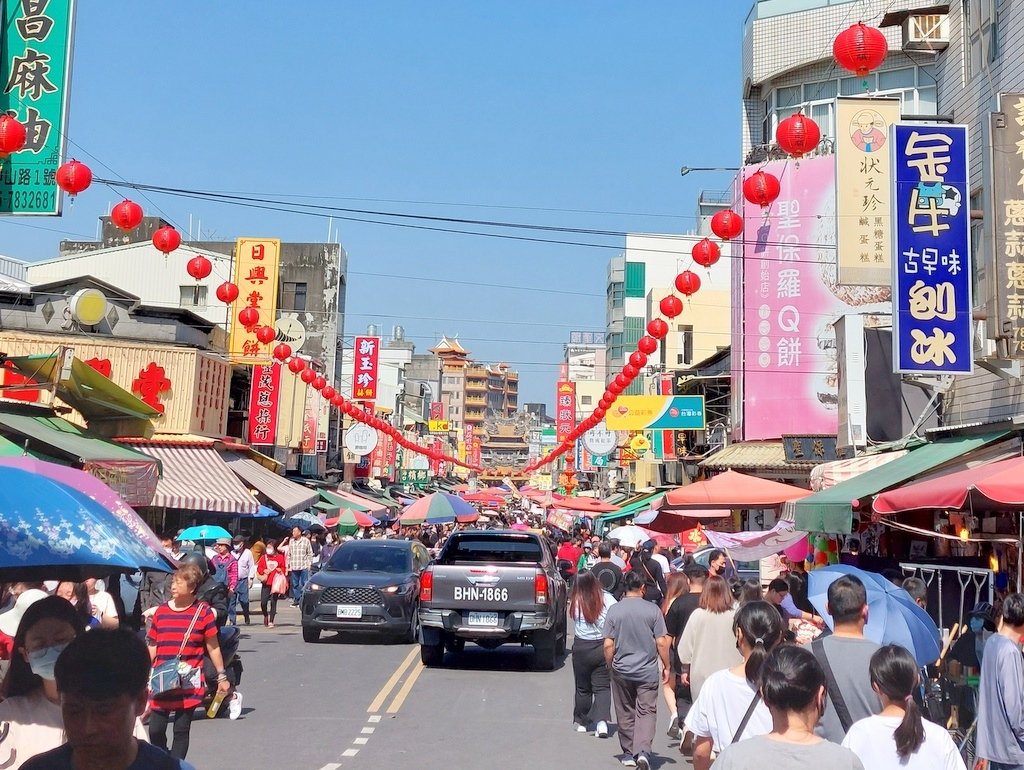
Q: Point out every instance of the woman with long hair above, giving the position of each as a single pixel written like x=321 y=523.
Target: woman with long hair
x=729 y=707
x=748 y=591
x=708 y=643
x=78 y=595
x=678 y=585
x=898 y=737
x=793 y=689
x=588 y=606
x=270 y=565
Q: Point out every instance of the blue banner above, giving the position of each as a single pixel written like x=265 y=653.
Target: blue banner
x=931 y=286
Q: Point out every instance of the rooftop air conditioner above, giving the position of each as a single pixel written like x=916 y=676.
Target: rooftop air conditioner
x=926 y=32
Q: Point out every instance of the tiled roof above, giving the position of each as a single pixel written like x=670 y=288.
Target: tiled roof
x=753 y=455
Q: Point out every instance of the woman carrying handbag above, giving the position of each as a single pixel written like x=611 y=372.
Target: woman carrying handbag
x=271 y=572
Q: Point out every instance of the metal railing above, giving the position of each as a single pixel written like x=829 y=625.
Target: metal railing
x=973 y=582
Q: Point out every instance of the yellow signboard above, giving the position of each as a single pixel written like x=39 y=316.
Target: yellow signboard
x=656 y=413
x=256 y=265
x=864 y=190
x=640 y=444
x=439 y=426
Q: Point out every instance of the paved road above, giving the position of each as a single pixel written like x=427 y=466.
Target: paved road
x=353 y=702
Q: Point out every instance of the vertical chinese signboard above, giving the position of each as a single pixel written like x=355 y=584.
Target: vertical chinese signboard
x=565 y=409
x=476 y=451
x=264 y=395
x=1008 y=221
x=35 y=69
x=931 y=283
x=364 y=372
x=863 y=190
x=256 y=265
x=310 y=418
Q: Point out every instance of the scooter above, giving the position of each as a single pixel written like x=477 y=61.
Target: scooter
x=229 y=638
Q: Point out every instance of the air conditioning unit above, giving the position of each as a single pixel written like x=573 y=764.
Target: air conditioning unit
x=984 y=346
x=926 y=32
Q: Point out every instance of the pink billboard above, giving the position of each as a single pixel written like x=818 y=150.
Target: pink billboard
x=787 y=369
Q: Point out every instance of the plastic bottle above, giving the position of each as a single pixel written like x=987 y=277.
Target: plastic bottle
x=211 y=712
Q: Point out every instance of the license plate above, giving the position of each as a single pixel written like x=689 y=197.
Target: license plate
x=350 y=611
x=483 y=618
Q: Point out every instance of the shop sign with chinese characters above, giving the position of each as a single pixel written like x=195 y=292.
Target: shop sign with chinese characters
x=1008 y=220
x=931 y=285
x=263 y=402
x=35 y=70
x=310 y=418
x=565 y=409
x=863 y=190
x=364 y=378
x=256 y=266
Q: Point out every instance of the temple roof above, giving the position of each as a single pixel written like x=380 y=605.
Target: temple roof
x=449 y=347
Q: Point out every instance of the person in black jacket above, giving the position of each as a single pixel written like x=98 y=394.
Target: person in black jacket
x=655 y=585
x=607 y=572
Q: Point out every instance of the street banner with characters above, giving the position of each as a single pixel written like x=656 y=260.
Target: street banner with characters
x=931 y=285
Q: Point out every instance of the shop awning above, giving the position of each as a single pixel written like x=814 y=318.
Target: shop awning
x=131 y=474
x=285 y=495
x=633 y=508
x=197 y=478
x=989 y=487
x=90 y=393
x=373 y=507
x=827 y=475
x=751 y=456
x=831 y=510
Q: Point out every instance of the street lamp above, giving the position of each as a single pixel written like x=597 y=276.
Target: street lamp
x=687 y=169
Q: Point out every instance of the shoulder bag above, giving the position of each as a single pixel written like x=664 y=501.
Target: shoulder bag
x=746 y=717
x=174 y=674
x=831 y=686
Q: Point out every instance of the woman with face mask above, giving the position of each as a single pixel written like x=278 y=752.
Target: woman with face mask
x=270 y=564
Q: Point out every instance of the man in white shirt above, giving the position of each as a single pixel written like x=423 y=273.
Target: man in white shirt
x=659 y=556
x=246 y=575
x=103 y=607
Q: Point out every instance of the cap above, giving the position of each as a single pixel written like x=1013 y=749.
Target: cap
x=238 y=539
x=223 y=541
x=648 y=545
x=10 y=620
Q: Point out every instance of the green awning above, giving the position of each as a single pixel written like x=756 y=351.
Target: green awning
x=58 y=437
x=831 y=510
x=633 y=508
x=332 y=502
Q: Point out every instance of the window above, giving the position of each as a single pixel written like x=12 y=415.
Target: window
x=293 y=295
x=192 y=296
x=616 y=292
x=636 y=273
x=978 y=250
x=586 y=400
x=686 y=343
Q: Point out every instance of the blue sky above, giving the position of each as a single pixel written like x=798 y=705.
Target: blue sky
x=530 y=112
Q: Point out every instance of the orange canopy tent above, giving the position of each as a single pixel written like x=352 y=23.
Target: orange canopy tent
x=732 y=490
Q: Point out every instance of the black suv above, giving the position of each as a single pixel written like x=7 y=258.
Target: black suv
x=368 y=585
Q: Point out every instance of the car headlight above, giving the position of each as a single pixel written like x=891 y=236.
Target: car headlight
x=314 y=586
x=401 y=588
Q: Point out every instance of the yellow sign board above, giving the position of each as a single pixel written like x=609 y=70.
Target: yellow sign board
x=439 y=426
x=640 y=444
x=864 y=190
x=256 y=266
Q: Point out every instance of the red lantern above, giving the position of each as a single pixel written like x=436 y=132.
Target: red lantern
x=337 y=399
x=688 y=282
x=671 y=306
x=608 y=396
x=166 y=239
x=328 y=392
x=126 y=215
x=12 y=134
x=227 y=292
x=630 y=370
x=647 y=345
x=266 y=334
x=319 y=382
x=199 y=267
x=657 y=328
x=603 y=403
x=296 y=365
x=282 y=351
x=798 y=135
x=248 y=317
x=614 y=387
x=638 y=359
x=727 y=224
x=599 y=413
x=307 y=375
x=705 y=252
x=350 y=409
x=761 y=189
x=860 y=49
x=74 y=177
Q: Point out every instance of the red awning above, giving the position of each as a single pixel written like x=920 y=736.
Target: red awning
x=584 y=505
x=733 y=490
x=991 y=486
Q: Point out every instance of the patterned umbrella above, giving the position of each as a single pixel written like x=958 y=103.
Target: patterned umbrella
x=439 y=508
x=50 y=531
x=351 y=519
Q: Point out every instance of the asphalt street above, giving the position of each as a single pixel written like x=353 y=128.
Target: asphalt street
x=352 y=701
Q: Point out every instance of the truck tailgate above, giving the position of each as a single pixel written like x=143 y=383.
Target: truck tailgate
x=507 y=588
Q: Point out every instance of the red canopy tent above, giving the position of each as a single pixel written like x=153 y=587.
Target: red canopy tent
x=660 y=518
x=733 y=490
x=584 y=505
x=992 y=486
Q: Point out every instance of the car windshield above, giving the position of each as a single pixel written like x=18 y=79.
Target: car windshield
x=482 y=548
x=364 y=559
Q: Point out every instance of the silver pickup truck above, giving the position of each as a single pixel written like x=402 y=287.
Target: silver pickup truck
x=493 y=587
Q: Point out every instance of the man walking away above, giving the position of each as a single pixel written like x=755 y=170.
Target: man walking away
x=300 y=560
x=1000 y=697
x=607 y=572
x=845 y=656
x=635 y=638
x=675 y=621
x=246 y=576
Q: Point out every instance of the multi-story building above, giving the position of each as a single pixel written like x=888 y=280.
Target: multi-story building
x=471 y=391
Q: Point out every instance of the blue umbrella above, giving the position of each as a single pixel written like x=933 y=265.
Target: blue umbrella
x=893 y=616
x=50 y=531
x=203 y=533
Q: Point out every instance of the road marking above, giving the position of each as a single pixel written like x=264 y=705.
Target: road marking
x=331 y=766
x=368 y=730
x=385 y=691
x=349 y=752
x=374 y=719
x=406 y=687
x=360 y=741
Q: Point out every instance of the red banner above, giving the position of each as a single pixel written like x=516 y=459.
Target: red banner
x=436 y=410
x=565 y=409
x=310 y=422
x=364 y=372
x=476 y=451
x=668 y=437
x=264 y=393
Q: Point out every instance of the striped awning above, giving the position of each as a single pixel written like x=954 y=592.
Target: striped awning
x=287 y=496
x=827 y=475
x=197 y=478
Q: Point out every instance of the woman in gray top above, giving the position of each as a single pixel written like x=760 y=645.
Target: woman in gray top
x=793 y=688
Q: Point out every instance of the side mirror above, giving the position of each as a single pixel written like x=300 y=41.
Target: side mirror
x=564 y=565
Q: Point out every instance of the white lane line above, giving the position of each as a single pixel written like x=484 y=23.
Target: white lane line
x=349 y=752
x=374 y=719
x=360 y=741
x=368 y=730
x=331 y=766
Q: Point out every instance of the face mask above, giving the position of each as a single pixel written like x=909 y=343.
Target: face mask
x=238 y=547
x=42 y=661
x=271 y=551
x=977 y=624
